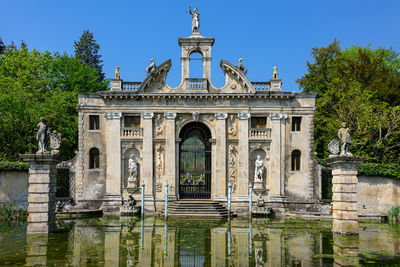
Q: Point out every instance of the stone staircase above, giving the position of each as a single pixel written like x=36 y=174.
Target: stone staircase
x=196 y=208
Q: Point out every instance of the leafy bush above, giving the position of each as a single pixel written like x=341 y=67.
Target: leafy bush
x=379 y=169
x=393 y=214
x=13 y=166
x=9 y=211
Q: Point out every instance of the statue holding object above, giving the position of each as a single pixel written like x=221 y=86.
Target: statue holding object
x=344 y=135
x=259 y=169
x=195 y=19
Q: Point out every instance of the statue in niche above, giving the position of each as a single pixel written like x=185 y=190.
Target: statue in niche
x=259 y=169
x=132 y=169
x=195 y=19
x=151 y=67
x=344 y=135
x=43 y=136
x=242 y=68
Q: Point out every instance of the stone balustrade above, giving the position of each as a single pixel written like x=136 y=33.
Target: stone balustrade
x=197 y=84
x=261 y=86
x=131 y=132
x=260 y=133
x=131 y=86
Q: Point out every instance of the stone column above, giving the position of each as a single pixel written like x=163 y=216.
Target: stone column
x=220 y=158
x=41 y=193
x=277 y=157
x=170 y=152
x=113 y=197
x=344 y=197
x=148 y=160
x=243 y=159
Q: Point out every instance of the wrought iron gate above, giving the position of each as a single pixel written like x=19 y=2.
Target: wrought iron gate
x=195 y=162
x=326 y=184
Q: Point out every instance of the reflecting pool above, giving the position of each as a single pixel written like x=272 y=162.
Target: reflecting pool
x=115 y=241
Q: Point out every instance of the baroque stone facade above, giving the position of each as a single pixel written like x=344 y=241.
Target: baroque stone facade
x=197 y=137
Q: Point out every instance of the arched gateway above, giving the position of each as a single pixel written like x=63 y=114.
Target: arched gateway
x=195 y=161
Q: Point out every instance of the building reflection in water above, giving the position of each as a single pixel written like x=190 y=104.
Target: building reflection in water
x=155 y=242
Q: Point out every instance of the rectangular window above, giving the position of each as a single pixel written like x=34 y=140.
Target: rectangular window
x=296 y=124
x=94 y=122
x=132 y=121
x=258 y=122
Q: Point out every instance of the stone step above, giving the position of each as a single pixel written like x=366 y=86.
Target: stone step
x=196 y=208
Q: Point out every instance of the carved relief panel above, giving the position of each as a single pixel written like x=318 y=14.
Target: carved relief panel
x=159 y=166
x=232 y=166
x=159 y=126
x=232 y=127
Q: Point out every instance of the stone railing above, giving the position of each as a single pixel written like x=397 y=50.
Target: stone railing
x=196 y=84
x=130 y=86
x=261 y=86
x=131 y=132
x=260 y=133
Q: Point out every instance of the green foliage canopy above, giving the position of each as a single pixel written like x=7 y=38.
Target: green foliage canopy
x=35 y=84
x=361 y=86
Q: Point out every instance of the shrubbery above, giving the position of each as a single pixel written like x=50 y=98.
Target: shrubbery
x=13 y=166
x=9 y=211
x=379 y=169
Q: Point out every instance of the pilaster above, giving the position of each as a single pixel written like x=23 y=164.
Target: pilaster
x=148 y=161
x=113 y=197
x=277 y=158
x=219 y=180
x=243 y=157
x=170 y=152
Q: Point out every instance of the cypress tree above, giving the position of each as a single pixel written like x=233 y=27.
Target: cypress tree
x=86 y=50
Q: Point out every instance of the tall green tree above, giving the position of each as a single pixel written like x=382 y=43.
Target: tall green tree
x=87 y=50
x=35 y=84
x=361 y=86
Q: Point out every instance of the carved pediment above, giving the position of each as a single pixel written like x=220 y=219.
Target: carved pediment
x=236 y=80
x=156 y=80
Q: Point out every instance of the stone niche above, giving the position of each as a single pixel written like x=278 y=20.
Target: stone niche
x=260 y=150
x=127 y=151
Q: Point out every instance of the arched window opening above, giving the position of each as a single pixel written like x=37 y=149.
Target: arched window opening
x=296 y=155
x=94 y=158
x=196 y=65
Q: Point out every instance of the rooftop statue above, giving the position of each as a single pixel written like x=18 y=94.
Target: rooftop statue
x=43 y=136
x=116 y=73
x=195 y=19
x=151 y=67
x=241 y=67
x=344 y=135
x=275 y=74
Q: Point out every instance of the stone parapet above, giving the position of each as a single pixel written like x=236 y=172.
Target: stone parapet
x=344 y=190
x=42 y=190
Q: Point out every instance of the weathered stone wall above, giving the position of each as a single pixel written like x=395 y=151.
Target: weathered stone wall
x=376 y=195
x=14 y=187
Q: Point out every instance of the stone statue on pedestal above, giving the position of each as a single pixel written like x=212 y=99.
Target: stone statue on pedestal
x=259 y=169
x=344 y=135
x=195 y=19
x=43 y=136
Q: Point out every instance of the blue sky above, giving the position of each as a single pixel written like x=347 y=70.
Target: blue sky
x=264 y=33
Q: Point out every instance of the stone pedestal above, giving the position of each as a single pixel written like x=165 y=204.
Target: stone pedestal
x=42 y=193
x=344 y=189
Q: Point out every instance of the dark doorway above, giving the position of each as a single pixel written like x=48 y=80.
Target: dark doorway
x=195 y=162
